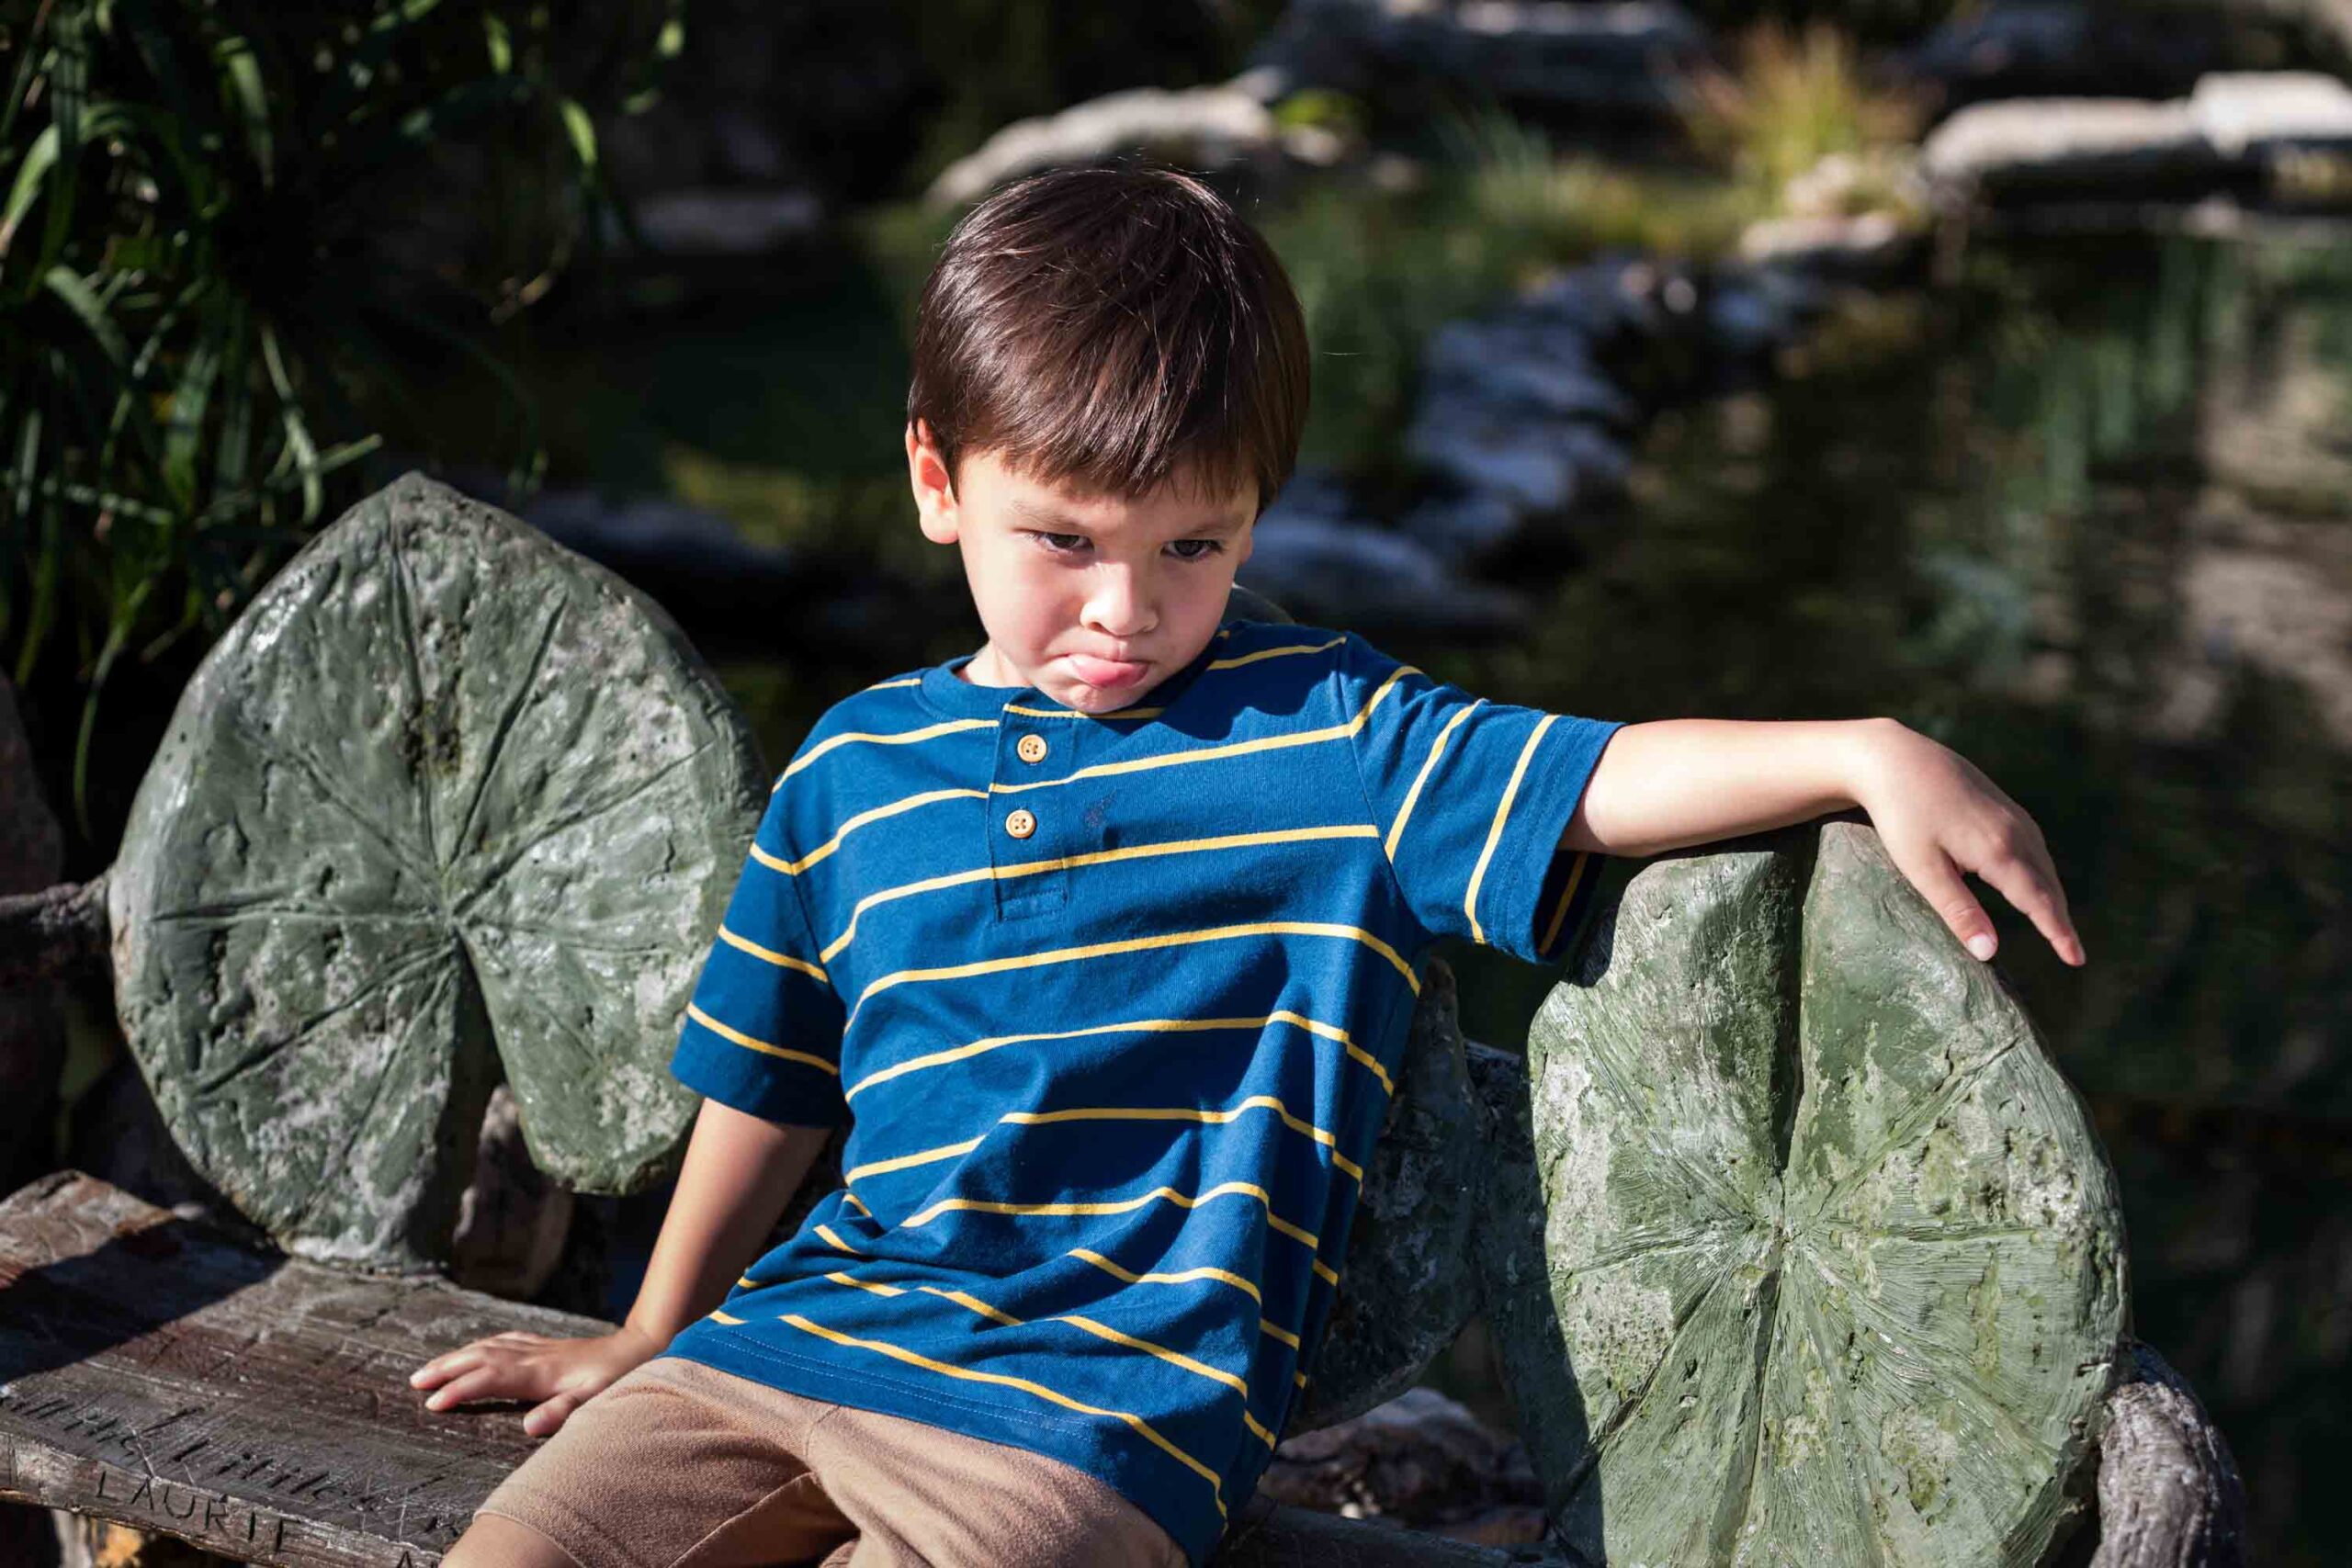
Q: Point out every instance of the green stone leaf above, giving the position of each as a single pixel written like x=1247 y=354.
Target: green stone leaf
x=1830 y=1265
x=447 y=799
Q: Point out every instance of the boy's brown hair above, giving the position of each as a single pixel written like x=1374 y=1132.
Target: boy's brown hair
x=1108 y=330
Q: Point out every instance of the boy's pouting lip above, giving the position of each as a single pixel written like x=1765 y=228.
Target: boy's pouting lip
x=1093 y=600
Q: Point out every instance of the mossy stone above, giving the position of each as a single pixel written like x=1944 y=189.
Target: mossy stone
x=1804 y=1251
x=448 y=803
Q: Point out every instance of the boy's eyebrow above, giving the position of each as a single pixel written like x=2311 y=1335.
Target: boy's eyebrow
x=1216 y=526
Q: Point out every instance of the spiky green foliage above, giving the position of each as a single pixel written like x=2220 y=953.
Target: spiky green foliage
x=204 y=285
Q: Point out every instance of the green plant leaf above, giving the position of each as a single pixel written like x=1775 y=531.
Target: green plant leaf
x=40 y=158
x=583 y=131
x=299 y=445
x=243 y=78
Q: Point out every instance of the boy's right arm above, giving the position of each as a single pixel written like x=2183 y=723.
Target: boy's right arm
x=740 y=1172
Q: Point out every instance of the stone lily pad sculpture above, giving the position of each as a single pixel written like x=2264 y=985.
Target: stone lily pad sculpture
x=1813 y=1258
x=448 y=803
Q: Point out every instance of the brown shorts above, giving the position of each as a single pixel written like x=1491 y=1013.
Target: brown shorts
x=680 y=1465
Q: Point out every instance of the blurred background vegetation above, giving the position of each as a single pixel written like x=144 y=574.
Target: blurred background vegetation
x=2073 y=498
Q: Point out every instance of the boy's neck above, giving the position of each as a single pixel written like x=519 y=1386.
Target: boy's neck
x=985 y=668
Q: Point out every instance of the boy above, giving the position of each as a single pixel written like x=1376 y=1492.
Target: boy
x=1103 y=939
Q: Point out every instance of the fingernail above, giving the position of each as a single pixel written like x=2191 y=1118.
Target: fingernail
x=1981 y=945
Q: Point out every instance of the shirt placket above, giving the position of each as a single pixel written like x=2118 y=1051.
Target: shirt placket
x=1023 y=825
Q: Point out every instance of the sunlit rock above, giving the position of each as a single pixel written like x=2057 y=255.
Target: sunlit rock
x=448 y=803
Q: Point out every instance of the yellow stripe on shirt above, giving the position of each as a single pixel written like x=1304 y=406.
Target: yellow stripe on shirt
x=1232 y=748
x=1100 y=1330
x=1117 y=1113
x=1093 y=857
x=1241 y=658
x=1560 y=910
x=1495 y=833
x=1073 y=713
x=1182 y=1277
x=1125 y=1205
x=1404 y=812
x=883 y=737
x=1137 y=944
x=769 y=955
x=725 y=1031
x=795 y=867
x=1144 y=1025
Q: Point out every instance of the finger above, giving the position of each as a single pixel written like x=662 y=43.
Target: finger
x=481 y=1382
x=441 y=1367
x=2029 y=880
x=545 y=1420
x=1936 y=877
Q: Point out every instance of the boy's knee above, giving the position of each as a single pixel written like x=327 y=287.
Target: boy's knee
x=495 y=1541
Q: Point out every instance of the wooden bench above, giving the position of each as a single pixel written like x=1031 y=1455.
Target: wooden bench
x=1772 y=1114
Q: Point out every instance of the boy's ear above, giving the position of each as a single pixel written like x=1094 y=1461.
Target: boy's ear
x=934 y=492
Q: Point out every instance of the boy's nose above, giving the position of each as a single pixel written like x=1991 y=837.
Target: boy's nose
x=1116 y=609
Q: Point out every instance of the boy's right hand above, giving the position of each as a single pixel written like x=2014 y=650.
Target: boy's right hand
x=562 y=1374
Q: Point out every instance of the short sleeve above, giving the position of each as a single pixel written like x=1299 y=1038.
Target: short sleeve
x=763 y=1032
x=1471 y=798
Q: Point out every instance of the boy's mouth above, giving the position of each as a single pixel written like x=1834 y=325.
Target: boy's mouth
x=1110 y=675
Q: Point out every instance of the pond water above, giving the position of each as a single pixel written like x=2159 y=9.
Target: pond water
x=2083 y=511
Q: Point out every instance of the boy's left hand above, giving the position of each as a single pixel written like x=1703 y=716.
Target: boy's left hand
x=1941 y=819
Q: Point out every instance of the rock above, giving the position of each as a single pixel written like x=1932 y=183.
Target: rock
x=1421 y=1460
x=648 y=536
x=2236 y=129
x=2065 y=50
x=733 y=596
x=2248 y=111
x=1766 y=306
x=1200 y=127
x=445 y=799
x=1362 y=574
x=1407 y=1285
x=1542 y=465
x=1553 y=55
x=717 y=221
x=1466 y=525
x=1852 y=184
x=1873 y=244
x=2074 y=143
x=1802 y=1248
x=512 y=1221
x=1322 y=561
x=1518 y=361
x=1616 y=301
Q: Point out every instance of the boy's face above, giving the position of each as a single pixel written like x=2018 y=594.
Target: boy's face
x=1092 y=600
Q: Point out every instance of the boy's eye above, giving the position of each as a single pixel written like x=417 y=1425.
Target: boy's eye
x=1071 y=544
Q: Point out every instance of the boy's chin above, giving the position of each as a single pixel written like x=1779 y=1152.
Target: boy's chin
x=1084 y=698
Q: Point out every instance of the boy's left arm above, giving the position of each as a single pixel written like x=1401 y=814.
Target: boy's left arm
x=1679 y=781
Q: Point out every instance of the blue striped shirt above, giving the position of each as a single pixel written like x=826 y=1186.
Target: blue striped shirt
x=1115 y=1006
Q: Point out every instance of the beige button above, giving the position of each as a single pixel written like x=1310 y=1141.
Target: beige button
x=1030 y=748
x=1021 y=824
